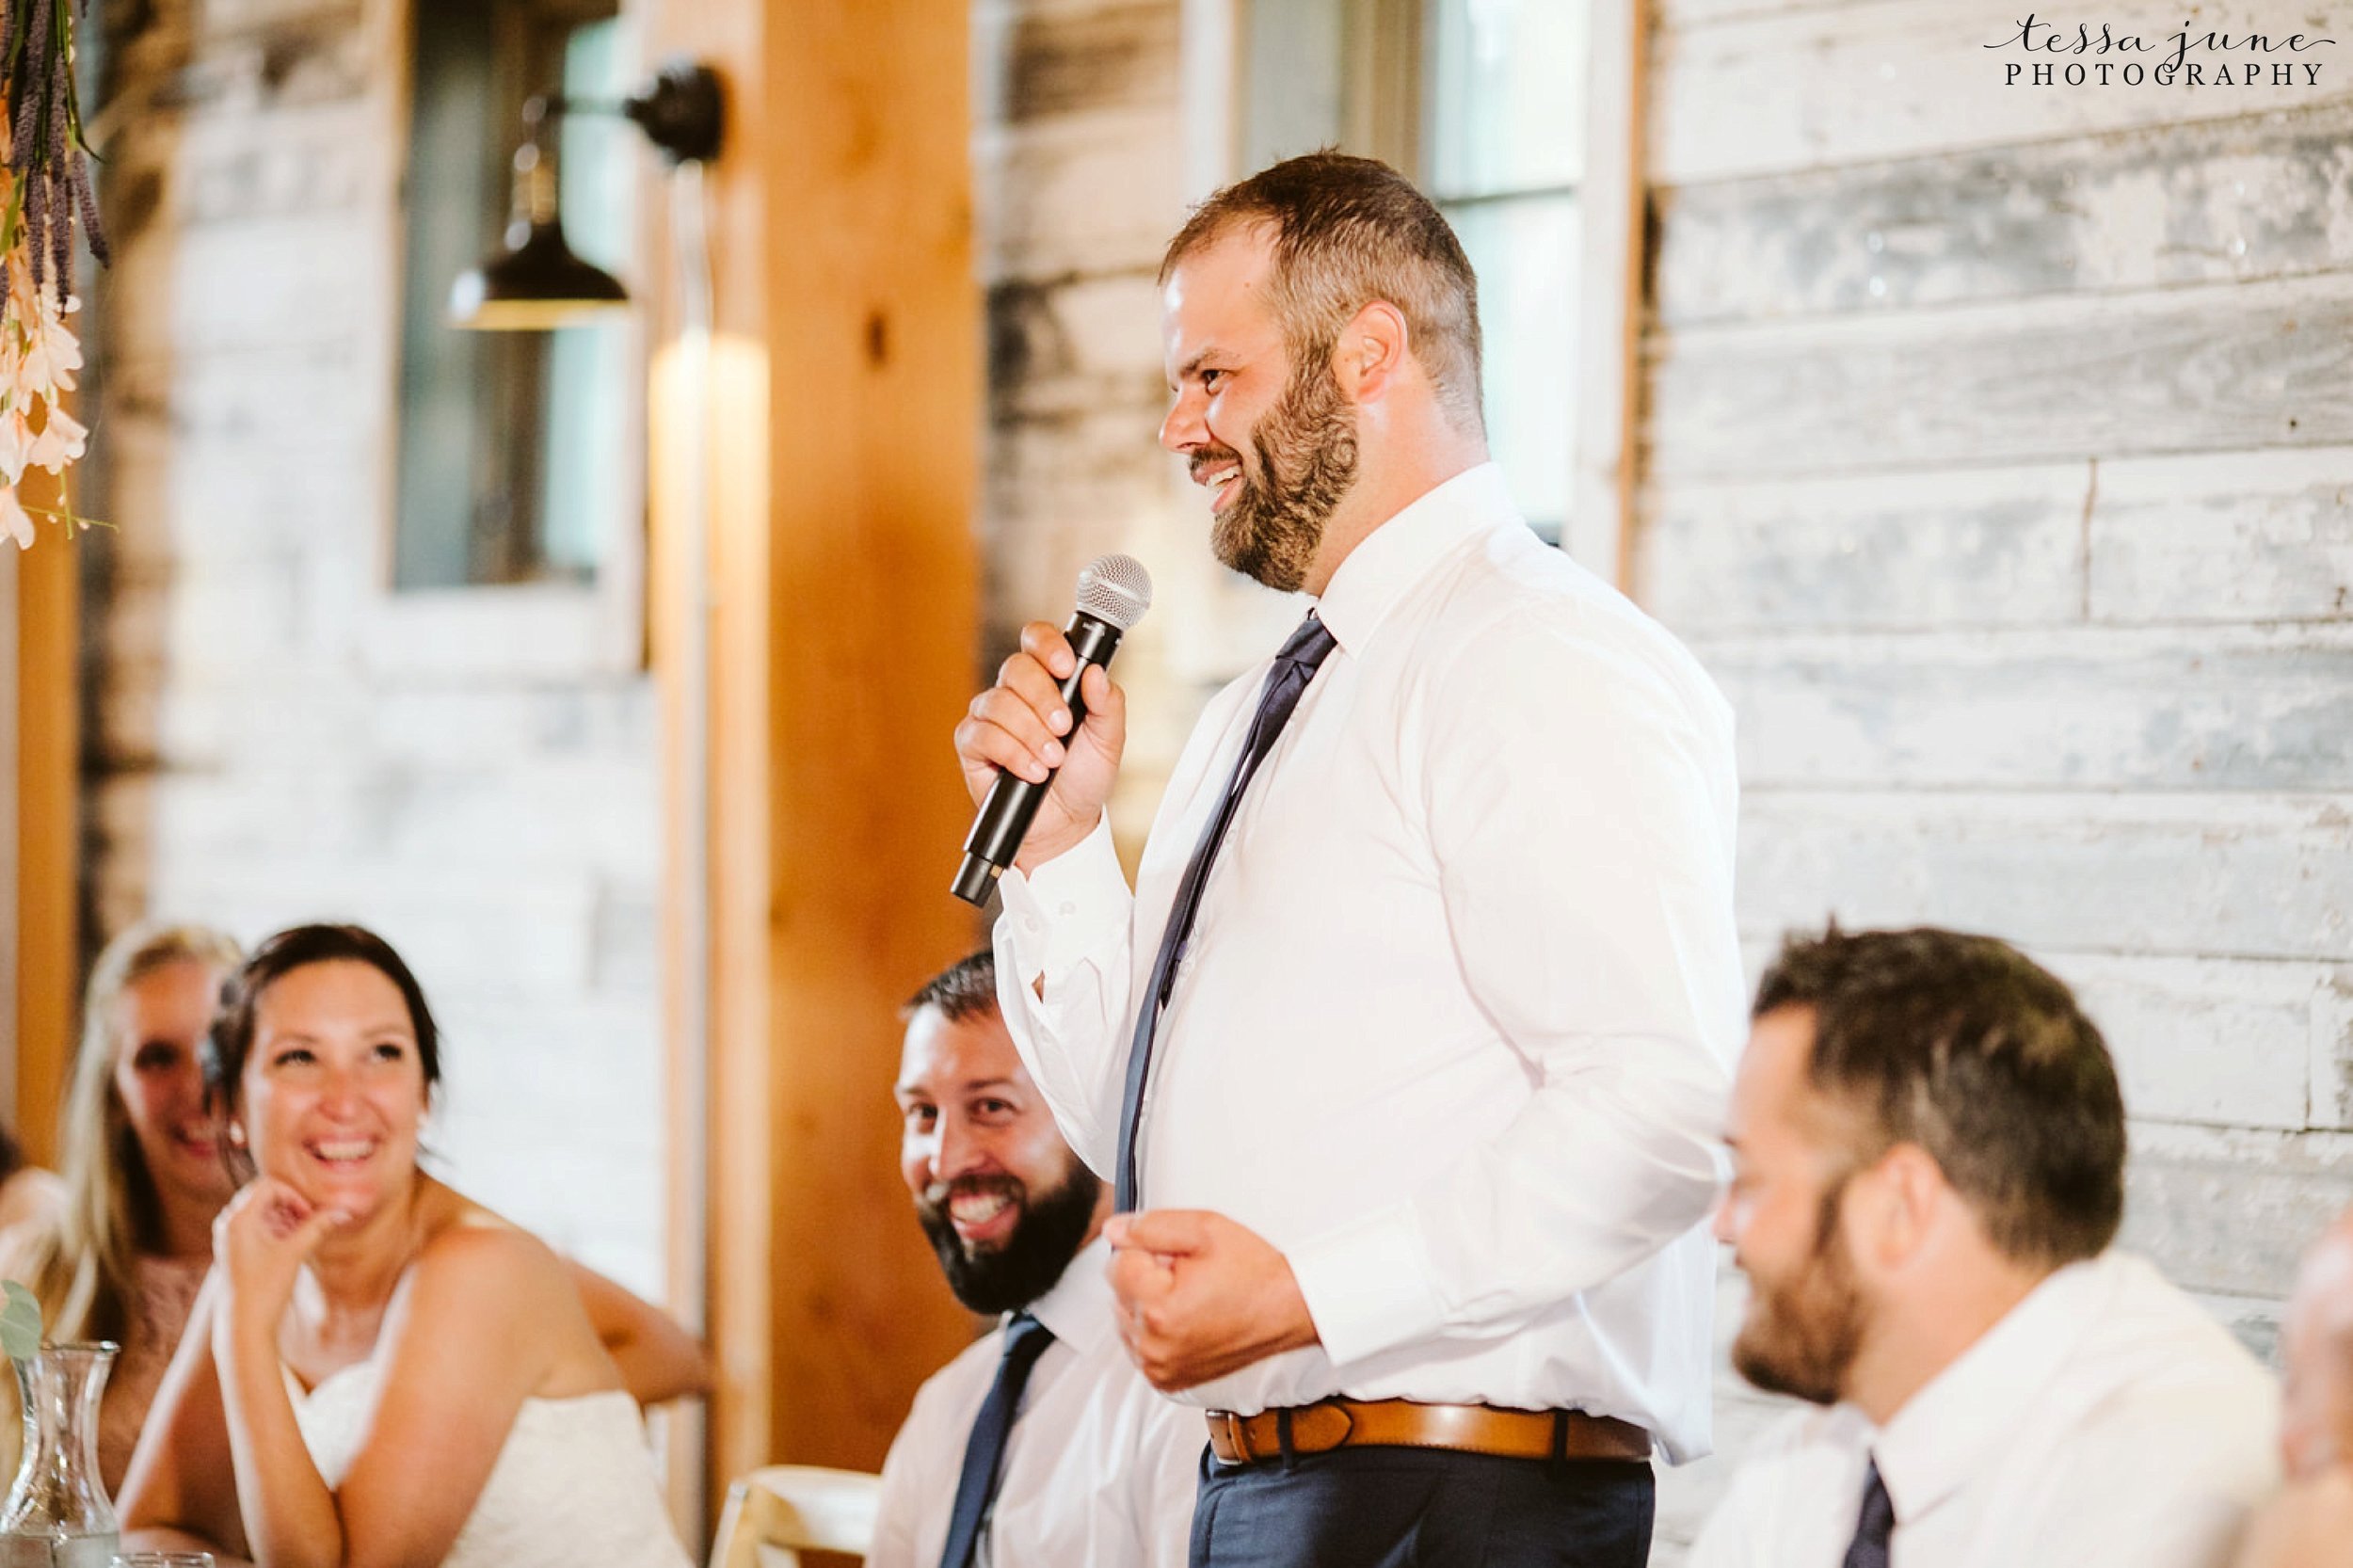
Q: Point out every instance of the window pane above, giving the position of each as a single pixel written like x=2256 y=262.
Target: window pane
x=514 y=454
x=1507 y=104
x=1295 y=97
x=456 y=186
x=1526 y=252
x=583 y=481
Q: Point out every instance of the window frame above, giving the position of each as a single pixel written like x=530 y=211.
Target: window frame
x=549 y=630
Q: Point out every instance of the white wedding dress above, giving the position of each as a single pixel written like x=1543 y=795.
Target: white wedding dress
x=573 y=1487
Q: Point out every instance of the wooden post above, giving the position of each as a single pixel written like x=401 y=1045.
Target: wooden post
x=1614 y=199
x=48 y=827
x=842 y=443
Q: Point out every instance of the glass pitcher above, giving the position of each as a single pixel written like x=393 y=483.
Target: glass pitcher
x=57 y=1513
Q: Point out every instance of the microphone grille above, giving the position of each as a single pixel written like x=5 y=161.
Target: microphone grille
x=1115 y=589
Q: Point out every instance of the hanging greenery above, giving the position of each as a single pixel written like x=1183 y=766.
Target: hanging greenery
x=50 y=194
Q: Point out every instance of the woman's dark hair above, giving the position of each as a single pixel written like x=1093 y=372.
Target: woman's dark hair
x=231 y=1039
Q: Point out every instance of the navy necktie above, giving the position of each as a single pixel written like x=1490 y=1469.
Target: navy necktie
x=1026 y=1339
x=1294 y=668
x=1875 y=1524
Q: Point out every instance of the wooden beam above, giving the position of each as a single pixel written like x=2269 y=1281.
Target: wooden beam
x=842 y=445
x=48 y=830
x=1611 y=303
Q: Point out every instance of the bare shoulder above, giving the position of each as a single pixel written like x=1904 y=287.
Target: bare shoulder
x=515 y=1291
x=32 y=1198
x=469 y=1248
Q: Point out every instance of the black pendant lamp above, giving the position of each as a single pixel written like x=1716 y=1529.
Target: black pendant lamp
x=537 y=282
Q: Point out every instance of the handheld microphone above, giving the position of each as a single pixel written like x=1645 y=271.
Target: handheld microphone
x=1114 y=593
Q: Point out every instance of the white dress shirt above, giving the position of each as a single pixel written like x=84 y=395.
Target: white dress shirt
x=1454 y=1025
x=1099 y=1472
x=2106 y=1419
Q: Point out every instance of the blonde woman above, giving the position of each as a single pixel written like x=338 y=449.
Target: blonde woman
x=379 y=1370
x=143 y=1178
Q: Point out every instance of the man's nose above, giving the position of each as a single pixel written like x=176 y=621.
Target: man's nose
x=1184 y=429
x=958 y=1150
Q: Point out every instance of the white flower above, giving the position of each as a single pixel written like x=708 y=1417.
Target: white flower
x=52 y=354
x=62 y=439
x=14 y=520
x=16 y=442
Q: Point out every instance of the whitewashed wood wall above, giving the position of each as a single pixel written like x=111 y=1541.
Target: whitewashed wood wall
x=277 y=737
x=1998 y=461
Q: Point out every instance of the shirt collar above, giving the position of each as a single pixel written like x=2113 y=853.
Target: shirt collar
x=1079 y=1307
x=1967 y=1413
x=1394 y=556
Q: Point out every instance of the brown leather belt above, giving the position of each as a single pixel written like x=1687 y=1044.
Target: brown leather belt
x=1474 y=1428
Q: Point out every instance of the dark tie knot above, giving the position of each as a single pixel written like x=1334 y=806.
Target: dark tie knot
x=1308 y=644
x=1025 y=1338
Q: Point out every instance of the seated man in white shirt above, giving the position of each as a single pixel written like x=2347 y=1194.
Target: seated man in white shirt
x=1929 y=1167
x=2310 y=1524
x=1032 y=1449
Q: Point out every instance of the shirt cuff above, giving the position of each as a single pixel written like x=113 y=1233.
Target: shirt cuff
x=1367 y=1285
x=1055 y=917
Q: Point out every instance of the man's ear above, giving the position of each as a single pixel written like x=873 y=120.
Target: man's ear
x=1371 y=352
x=1902 y=1193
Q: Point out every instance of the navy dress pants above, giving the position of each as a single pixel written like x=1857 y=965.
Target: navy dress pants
x=1422 y=1507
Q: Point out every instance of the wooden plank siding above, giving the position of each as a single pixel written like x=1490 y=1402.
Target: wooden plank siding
x=2219 y=367
x=1803 y=89
x=1998 y=462
x=2233 y=201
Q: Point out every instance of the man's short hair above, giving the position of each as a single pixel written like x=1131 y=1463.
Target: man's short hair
x=1349 y=231
x=965 y=989
x=1966 y=1047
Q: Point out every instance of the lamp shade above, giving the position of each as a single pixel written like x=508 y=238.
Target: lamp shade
x=535 y=284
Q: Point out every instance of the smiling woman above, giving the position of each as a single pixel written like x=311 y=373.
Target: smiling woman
x=379 y=1370
x=143 y=1175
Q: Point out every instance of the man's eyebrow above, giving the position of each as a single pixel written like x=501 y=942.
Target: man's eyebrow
x=1186 y=370
x=976 y=1085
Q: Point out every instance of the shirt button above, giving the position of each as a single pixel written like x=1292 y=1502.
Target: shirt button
x=1028 y=922
x=1069 y=908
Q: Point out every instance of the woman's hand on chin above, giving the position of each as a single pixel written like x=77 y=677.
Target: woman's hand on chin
x=261 y=1241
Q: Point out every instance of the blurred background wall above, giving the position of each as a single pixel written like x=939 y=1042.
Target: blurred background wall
x=279 y=731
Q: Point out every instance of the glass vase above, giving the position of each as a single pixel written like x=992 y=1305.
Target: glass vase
x=57 y=1513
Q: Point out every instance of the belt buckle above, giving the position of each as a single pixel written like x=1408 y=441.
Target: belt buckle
x=1226 y=1423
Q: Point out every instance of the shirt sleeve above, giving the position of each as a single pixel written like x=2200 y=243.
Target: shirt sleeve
x=1580 y=797
x=1063 y=945
x=903 y=1493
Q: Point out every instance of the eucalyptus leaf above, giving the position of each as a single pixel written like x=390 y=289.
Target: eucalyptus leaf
x=20 y=1323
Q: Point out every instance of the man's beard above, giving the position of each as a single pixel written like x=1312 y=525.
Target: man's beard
x=1052 y=1227
x=1801 y=1335
x=1307 y=450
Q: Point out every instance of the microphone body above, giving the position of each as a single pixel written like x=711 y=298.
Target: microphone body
x=1013 y=802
